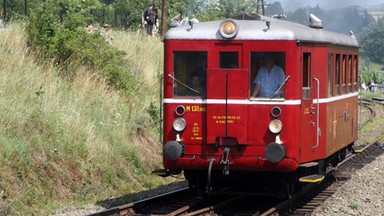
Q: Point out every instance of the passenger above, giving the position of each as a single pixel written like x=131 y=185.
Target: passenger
x=175 y=89
x=268 y=79
x=196 y=85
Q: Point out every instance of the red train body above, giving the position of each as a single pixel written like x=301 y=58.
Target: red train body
x=219 y=129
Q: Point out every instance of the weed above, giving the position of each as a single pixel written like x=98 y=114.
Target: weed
x=354 y=205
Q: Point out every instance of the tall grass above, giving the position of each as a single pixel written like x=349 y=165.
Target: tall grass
x=64 y=141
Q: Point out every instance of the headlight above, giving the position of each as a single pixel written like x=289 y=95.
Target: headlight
x=275 y=126
x=228 y=28
x=179 y=124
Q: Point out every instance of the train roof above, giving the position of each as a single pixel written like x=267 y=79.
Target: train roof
x=258 y=30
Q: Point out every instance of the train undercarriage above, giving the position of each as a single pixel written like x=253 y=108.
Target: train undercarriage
x=273 y=184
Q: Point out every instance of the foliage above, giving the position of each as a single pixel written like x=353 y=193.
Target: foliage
x=71 y=46
x=366 y=75
x=274 y=9
x=372 y=41
x=70 y=142
x=299 y=16
x=338 y=20
x=127 y=13
x=42 y=29
x=354 y=205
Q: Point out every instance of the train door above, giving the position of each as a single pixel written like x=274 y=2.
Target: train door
x=227 y=91
x=308 y=108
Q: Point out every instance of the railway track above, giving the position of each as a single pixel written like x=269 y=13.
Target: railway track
x=368 y=105
x=315 y=196
x=183 y=202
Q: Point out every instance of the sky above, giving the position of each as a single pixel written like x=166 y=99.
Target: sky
x=291 y=5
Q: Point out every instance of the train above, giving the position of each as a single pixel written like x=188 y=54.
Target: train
x=221 y=135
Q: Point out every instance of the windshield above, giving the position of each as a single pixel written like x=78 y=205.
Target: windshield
x=189 y=73
x=267 y=75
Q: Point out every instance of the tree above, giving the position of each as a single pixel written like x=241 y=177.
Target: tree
x=372 y=41
x=367 y=74
x=299 y=16
x=366 y=19
x=274 y=8
x=107 y=2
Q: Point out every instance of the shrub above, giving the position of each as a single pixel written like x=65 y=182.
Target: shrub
x=71 y=46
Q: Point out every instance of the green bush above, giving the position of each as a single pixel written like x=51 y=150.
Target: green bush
x=42 y=29
x=71 y=46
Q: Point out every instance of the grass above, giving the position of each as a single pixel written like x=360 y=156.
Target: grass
x=354 y=205
x=368 y=131
x=369 y=95
x=74 y=142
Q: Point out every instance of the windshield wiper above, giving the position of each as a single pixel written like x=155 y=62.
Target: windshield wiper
x=190 y=88
x=281 y=86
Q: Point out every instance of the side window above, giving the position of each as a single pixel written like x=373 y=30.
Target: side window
x=350 y=73
x=267 y=75
x=307 y=62
x=344 y=74
x=330 y=73
x=189 y=73
x=337 y=74
x=355 y=72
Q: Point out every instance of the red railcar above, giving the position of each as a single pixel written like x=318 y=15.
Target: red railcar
x=218 y=134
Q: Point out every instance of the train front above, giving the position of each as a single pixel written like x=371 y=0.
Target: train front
x=213 y=126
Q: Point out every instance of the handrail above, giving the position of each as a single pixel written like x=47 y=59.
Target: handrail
x=317 y=114
x=161 y=109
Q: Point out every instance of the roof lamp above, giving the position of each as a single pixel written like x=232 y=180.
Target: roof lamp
x=228 y=28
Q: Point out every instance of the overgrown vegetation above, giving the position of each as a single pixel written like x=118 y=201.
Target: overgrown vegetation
x=68 y=141
x=70 y=45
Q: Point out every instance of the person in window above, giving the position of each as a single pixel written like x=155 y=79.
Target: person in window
x=197 y=85
x=268 y=79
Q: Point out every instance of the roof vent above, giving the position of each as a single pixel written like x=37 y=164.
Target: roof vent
x=315 y=22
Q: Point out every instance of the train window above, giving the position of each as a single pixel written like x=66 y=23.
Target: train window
x=344 y=74
x=307 y=61
x=356 y=69
x=350 y=73
x=189 y=73
x=330 y=72
x=229 y=60
x=337 y=74
x=271 y=86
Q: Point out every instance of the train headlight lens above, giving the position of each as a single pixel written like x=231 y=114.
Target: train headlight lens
x=180 y=110
x=275 y=126
x=228 y=28
x=179 y=124
x=274 y=152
